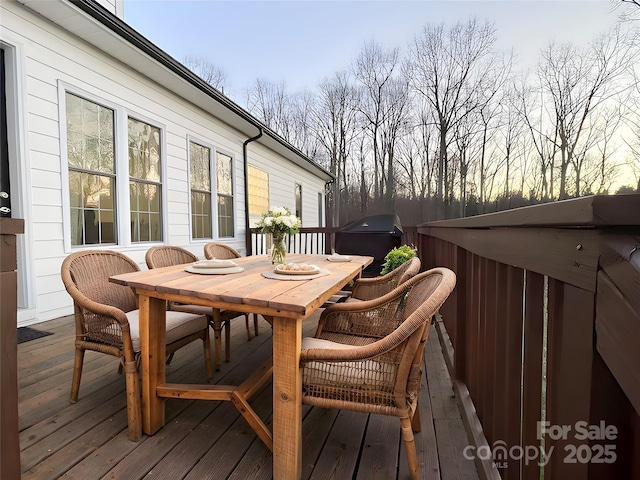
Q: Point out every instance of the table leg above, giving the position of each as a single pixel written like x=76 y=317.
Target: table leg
x=287 y=399
x=153 y=352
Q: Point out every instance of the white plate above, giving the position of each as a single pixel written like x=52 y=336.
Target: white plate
x=214 y=271
x=278 y=270
x=339 y=258
x=214 y=263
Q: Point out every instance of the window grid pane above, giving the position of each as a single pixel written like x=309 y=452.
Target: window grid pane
x=145 y=181
x=225 y=216
x=298 y=200
x=200 y=179
x=91 y=153
x=224 y=185
x=200 y=214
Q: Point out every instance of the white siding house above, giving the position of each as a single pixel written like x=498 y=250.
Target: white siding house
x=76 y=74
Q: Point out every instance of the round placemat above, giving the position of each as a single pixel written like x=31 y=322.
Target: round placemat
x=279 y=276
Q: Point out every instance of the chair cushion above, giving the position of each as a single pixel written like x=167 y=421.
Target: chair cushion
x=363 y=374
x=179 y=325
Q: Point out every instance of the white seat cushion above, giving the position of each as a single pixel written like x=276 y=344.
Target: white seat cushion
x=179 y=325
x=358 y=374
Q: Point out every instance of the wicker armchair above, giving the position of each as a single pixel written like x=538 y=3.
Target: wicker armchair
x=367 y=356
x=106 y=317
x=370 y=288
x=222 y=251
x=169 y=255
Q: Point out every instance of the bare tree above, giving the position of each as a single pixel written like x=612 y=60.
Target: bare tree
x=576 y=83
x=207 y=70
x=448 y=67
x=269 y=102
x=374 y=69
x=335 y=122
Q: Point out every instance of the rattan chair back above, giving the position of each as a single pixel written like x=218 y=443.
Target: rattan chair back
x=168 y=255
x=368 y=356
x=221 y=251
x=370 y=288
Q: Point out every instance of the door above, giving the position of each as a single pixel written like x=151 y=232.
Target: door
x=5 y=187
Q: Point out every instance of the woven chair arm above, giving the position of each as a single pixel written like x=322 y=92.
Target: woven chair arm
x=358 y=317
x=98 y=308
x=363 y=352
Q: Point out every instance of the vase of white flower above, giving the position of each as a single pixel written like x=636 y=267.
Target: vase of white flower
x=278 y=250
x=279 y=222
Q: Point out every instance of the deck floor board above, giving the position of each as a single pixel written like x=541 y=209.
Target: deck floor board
x=203 y=439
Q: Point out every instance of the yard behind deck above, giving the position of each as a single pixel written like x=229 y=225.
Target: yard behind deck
x=209 y=439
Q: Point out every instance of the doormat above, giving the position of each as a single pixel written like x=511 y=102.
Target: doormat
x=27 y=333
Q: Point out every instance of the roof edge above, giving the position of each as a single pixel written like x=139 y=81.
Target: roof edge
x=133 y=37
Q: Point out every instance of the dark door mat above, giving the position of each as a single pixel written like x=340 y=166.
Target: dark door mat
x=27 y=333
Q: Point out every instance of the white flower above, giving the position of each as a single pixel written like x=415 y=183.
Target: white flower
x=279 y=220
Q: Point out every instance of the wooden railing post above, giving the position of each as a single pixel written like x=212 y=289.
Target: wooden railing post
x=9 y=440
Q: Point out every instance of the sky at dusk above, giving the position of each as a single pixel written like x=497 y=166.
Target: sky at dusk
x=301 y=42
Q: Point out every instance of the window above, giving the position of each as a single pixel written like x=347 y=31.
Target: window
x=200 y=178
x=298 y=189
x=320 y=209
x=92 y=174
x=145 y=181
x=224 y=187
x=258 y=193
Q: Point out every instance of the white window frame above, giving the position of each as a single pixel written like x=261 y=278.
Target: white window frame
x=234 y=193
x=215 y=234
x=123 y=205
x=202 y=143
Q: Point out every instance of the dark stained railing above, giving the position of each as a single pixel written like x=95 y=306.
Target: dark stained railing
x=542 y=336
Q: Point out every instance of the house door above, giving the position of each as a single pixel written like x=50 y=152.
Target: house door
x=5 y=199
x=12 y=200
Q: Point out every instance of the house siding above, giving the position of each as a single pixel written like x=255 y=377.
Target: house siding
x=54 y=61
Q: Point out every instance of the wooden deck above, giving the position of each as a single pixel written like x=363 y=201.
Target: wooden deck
x=88 y=440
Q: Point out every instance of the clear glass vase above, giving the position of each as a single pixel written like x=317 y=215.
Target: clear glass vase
x=278 y=250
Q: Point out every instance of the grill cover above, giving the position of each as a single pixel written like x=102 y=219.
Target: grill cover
x=374 y=236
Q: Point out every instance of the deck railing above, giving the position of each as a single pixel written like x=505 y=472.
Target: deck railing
x=308 y=240
x=312 y=240
x=542 y=336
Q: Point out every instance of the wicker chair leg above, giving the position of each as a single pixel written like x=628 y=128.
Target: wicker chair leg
x=134 y=412
x=410 y=447
x=415 y=421
x=77 y=374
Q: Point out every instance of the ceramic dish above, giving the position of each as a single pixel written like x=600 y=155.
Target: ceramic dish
x=279 y=270
x=214 y=263
x=214 y=271
x=339 y=258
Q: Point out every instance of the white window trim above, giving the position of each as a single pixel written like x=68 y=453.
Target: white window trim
x=215 y=234
x=192 y=139
x=123 y=205
x=123 y=163
x=234 y=194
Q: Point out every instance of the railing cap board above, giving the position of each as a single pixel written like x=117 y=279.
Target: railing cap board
x=595 y=210
x=11 y=226
x=620 y=259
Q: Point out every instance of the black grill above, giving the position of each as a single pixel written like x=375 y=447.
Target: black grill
x=374 y=236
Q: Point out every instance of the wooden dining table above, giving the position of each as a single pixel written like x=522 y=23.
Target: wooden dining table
x=284 y=302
